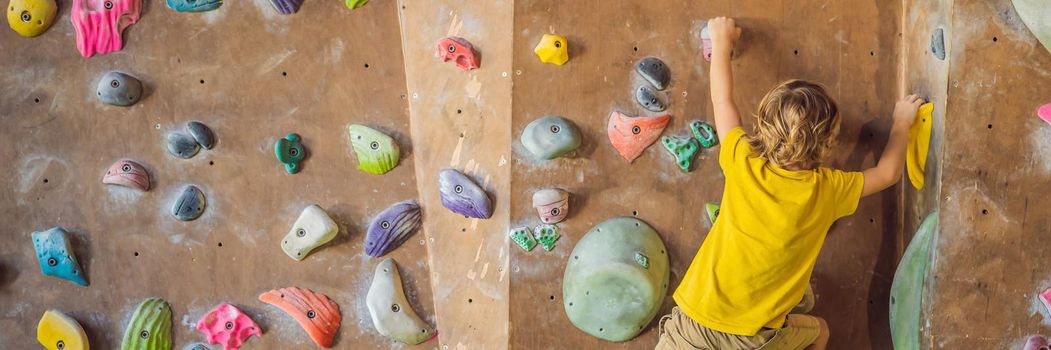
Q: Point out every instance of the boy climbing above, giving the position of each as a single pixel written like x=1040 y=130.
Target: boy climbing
x=778 y=204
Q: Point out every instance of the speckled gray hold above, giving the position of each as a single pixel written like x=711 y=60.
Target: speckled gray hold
x=182 y=145
x=119 y=89
x=938 y=43
x=190 y=204
x=654 y=71
x=201 y=134
x=648 y=99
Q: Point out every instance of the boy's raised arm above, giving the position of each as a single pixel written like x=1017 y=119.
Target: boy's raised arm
x=724 y=33
x=888 y=170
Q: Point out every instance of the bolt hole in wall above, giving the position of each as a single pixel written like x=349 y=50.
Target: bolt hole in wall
x=36 y=100
x=284 y=74
x=220 y=244
x=202 y=81
x=136 y=253
x=985 y=211
x=45 y=180
x=366 y=65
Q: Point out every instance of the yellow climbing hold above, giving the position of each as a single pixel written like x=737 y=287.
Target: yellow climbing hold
x=919 y=144
x=553 y=49
x=56 y=331
x=31 y=17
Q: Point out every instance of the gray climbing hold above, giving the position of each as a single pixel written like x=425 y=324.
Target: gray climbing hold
x=550 y=137
x=616 y=279
x=182 y=145
x=648 y=99
x=654 y=71
x=390 y=310
x=938 y=43
x=201 y=134
x=190 y=204
x=119 y=89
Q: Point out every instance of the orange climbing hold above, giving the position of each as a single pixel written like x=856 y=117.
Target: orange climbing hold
x=316 y=313
x=631 y=135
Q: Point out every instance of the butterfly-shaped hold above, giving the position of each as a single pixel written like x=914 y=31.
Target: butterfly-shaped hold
x=392 y=227
x=631 y=135
x=228 y=326
x=128 y=173
x=57 y=331
x=99 y=24
x=462 y=195
x=377 y=153
x=458 y=50
x=150 y=327
x=315 y=312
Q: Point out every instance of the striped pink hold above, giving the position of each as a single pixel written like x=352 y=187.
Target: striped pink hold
x=99 y=23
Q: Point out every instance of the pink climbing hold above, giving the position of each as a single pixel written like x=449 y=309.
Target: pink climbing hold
x=1045 y=298
x=1037 y=342
x=227 y=325
x=99 y=24
x=1044 y=112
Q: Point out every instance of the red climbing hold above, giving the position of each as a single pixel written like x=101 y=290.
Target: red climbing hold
x=459 y=50
x=631 y=135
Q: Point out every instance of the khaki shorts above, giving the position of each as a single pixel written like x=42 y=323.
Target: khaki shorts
x=678 y=331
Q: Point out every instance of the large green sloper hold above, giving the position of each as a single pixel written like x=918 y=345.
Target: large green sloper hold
x=150 y=327
x=377 y=153
x=906 y=292
x=606 y=291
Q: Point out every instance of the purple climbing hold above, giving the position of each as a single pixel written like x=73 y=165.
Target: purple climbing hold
x=286 y=7
x=463 y=196
x=392 y=227
x=1037 y=342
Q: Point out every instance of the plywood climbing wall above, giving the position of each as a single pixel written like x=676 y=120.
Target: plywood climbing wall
x=253 y=76
x=850 y=46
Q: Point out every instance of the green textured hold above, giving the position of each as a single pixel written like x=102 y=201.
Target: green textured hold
x=682 y=148
x=290 y=152
x=704 y=133
x=906 y=291
x=605 y=291
x=523 y=238
x=642 y=260
x=150 y=327
x=353 y=4
x=713 y=211
x=546 y=235
x=377 y=153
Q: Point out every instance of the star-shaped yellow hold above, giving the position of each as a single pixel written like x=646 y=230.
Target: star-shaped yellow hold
x=553 y=49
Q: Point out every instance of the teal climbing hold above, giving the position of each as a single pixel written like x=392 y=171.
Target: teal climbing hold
x=290 y=152
x=682 y=148
x=523 y=238
x=906 y=291
x=546 y=235
x=713 y=211
x=704 y=133
x=606 y=292
x=55 y=255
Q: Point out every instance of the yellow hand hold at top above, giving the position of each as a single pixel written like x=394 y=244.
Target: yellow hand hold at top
x=553 y=49
x=56 y=331
x=919 y=145
x=31 y=17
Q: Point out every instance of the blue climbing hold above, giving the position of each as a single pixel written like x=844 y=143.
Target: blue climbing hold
x=56 y=255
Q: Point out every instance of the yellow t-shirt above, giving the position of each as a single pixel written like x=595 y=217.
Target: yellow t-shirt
x=755 y=264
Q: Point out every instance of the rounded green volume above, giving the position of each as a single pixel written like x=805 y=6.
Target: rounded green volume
x=290 y=152
x=377 y=153
x=150 y=327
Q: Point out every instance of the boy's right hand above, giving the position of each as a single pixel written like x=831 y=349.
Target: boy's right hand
x=905 y=110
x=724 y=32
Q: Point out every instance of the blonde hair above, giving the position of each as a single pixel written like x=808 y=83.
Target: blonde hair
x=796 y=124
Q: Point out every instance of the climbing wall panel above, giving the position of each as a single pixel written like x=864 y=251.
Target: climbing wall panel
x=460 y=120
x=253 y=76
x=850 y=46
x=997 y=162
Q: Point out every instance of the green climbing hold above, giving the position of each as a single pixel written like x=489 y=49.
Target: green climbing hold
x=906 y=291
x=713 y=211
x=682 y=148
x=290 y=152
x=150 y=327
x=377 y=153
x=704 y=133
x=522 y=237
x=546 y=235
x=642 y=260
x=353 y=4
x=605 y=291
